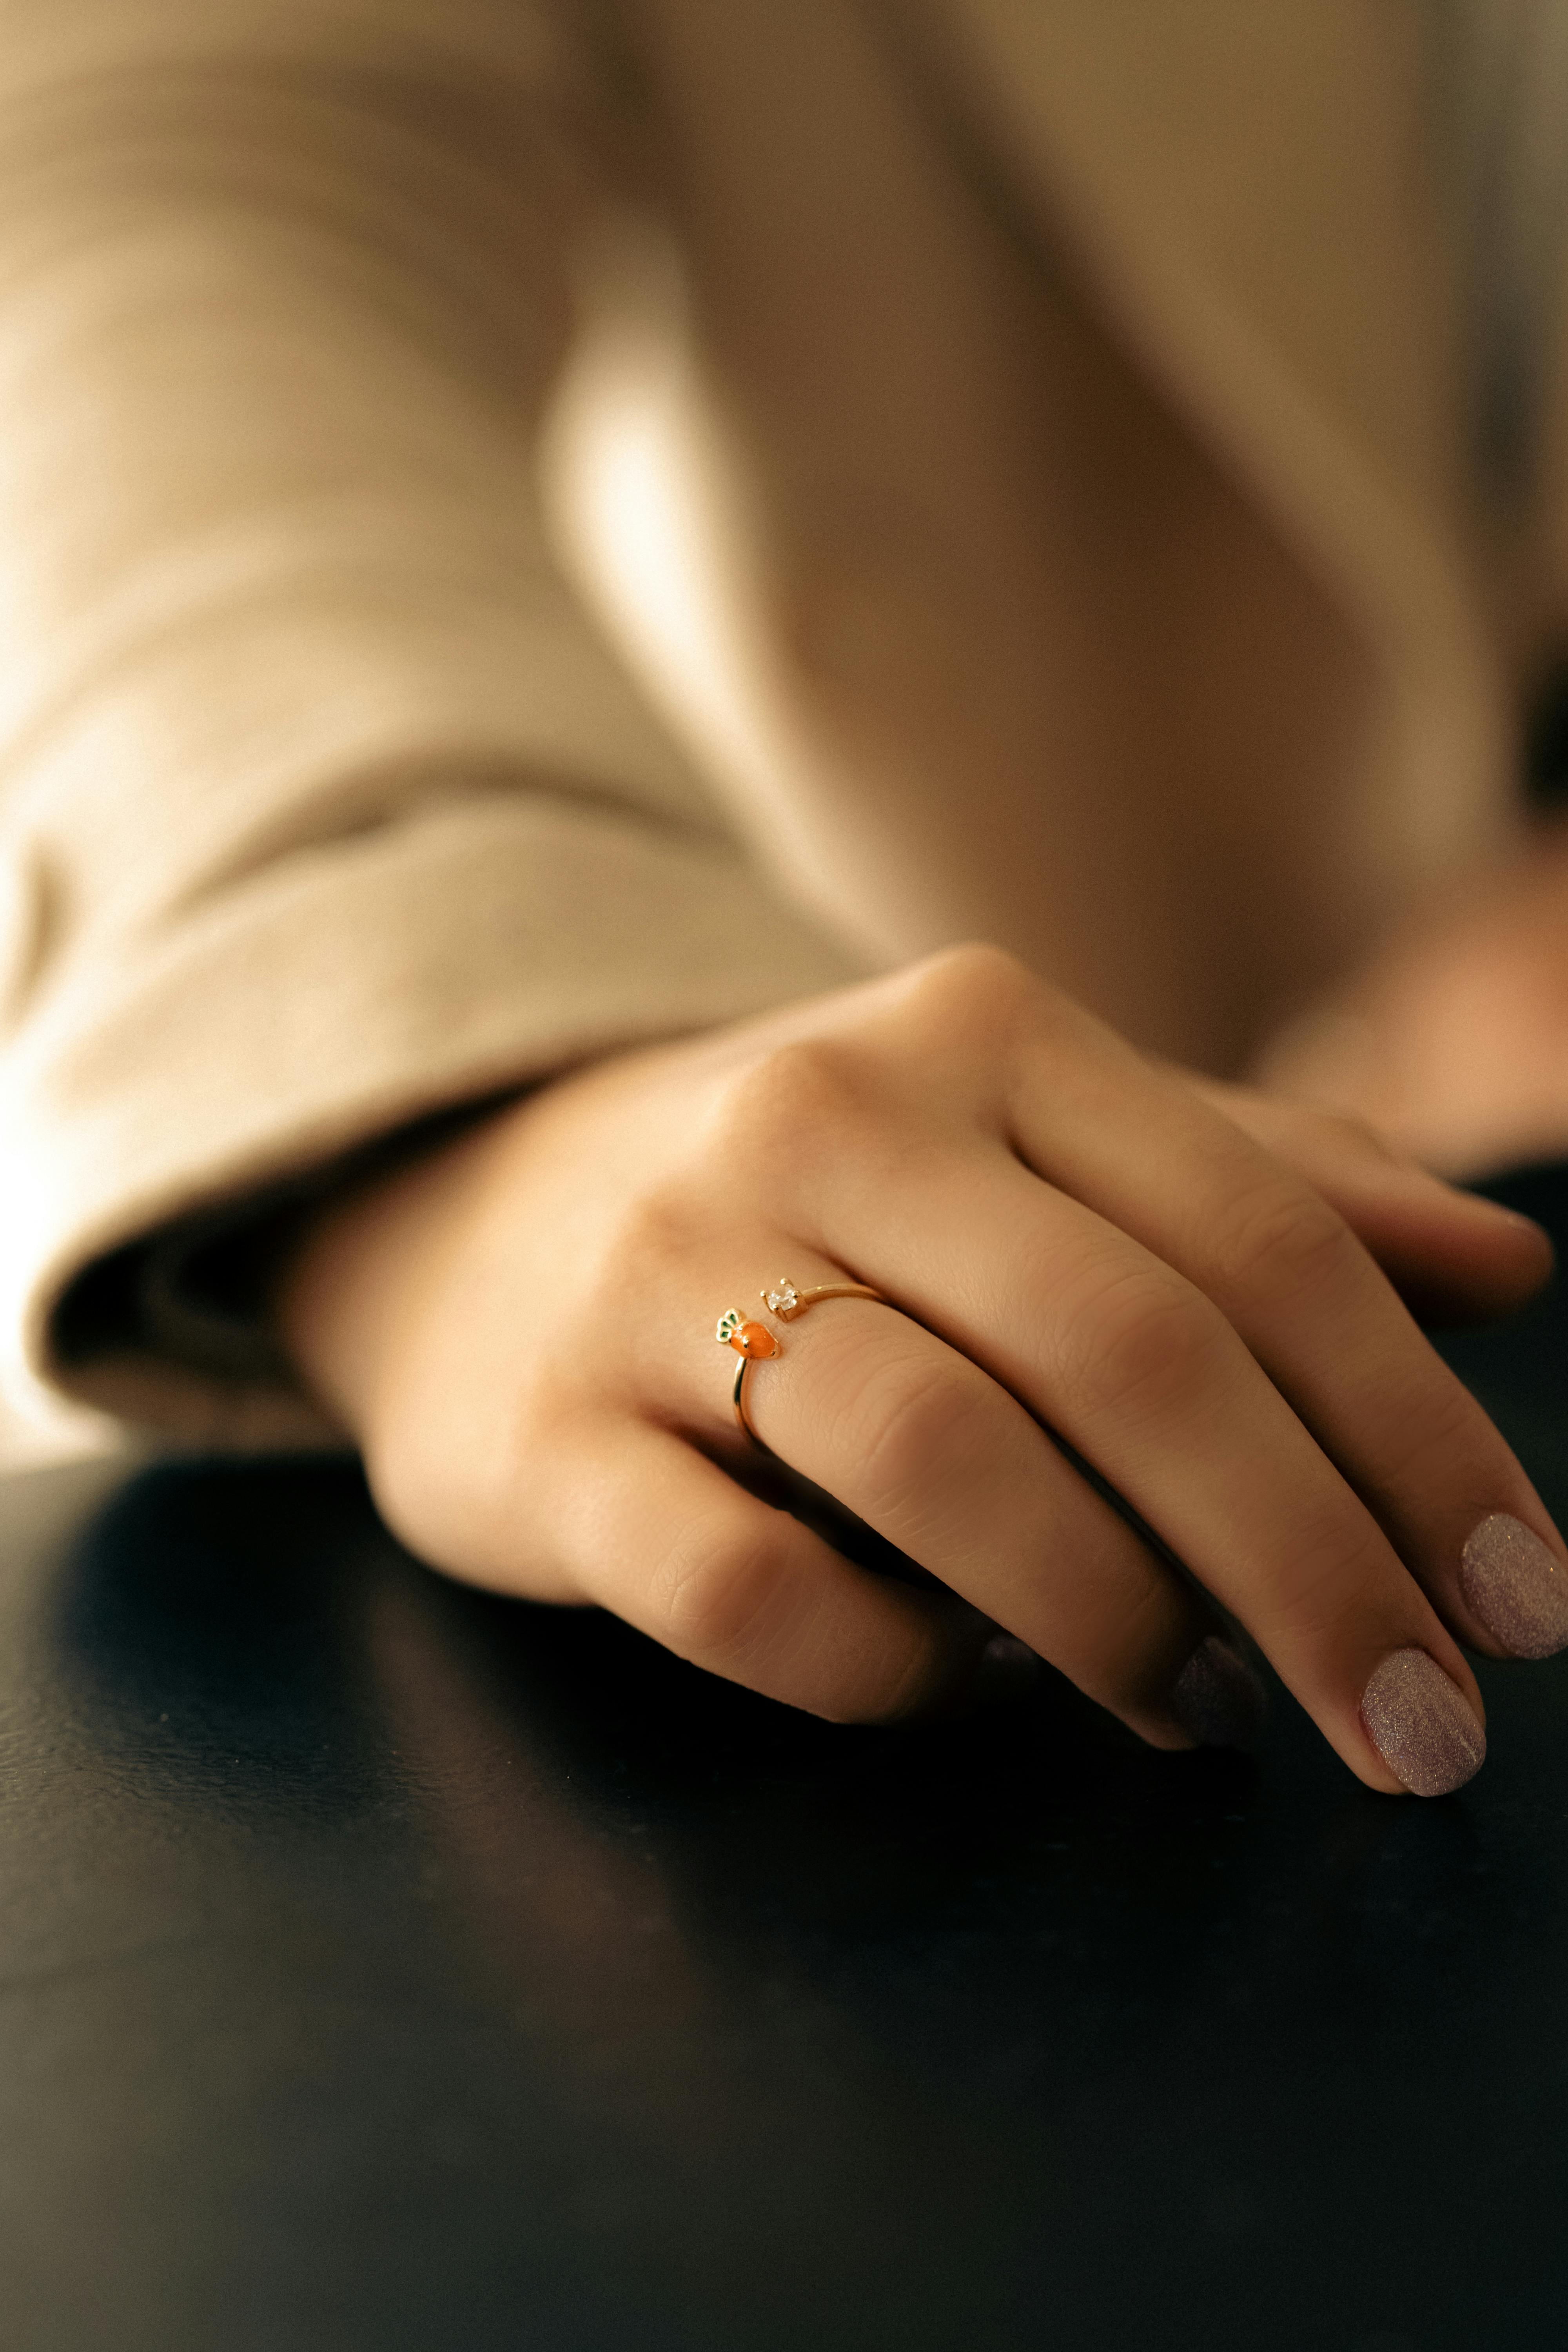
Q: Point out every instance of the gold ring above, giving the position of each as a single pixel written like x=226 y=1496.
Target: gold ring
x=754 y=1341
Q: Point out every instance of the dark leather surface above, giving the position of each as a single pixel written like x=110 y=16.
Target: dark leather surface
x=386 y=1966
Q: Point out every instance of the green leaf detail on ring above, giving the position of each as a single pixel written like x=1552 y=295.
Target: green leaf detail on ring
x=728 y=1325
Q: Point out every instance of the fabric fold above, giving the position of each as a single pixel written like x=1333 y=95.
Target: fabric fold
x=472 y=947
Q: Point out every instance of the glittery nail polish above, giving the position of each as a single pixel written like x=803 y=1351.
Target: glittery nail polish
x=1217 y=1699
x=1422 y=1725
x=1516 y=1587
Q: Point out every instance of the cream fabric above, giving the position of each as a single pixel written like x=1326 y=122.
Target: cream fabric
x=1501 y=84
x=327 y=799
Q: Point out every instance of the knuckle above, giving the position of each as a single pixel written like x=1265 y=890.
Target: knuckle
x=462 y=1499
x=788 y=1093
x=443 y=1520
x=915 y=1423
x=1333 y=1570
x=1137 y=1345
x=403 y=1496
x=713 y=1592
x=1282 y=1242
x=416 y=1487
x=974 y=988
x=1435 y=1438
x=1358 y=1138
x=662 y=1224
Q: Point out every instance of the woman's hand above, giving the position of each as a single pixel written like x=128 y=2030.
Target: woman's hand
x=520 y=1330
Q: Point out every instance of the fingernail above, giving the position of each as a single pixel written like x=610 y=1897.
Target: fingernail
x=1515 y=1217
x=1007 y=1669
x=1004 y=1672
x=1516 y=1586
x=1422 y=1725
x=1219 y=1700
x=1523 y=1224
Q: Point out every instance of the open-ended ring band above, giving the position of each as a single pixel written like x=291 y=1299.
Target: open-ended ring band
x=752 y=1341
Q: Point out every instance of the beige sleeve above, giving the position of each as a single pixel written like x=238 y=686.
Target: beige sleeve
x=322 y=805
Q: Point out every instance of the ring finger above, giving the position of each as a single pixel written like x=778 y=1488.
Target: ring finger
x=925 y=1447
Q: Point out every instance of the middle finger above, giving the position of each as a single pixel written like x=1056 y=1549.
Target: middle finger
x=1122 y=1355
x=1319 y=1317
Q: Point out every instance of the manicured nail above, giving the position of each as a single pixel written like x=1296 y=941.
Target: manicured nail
x=1006 y=1670
x=1422 y=1725
x=1219 y=1700
x=1516 y=1587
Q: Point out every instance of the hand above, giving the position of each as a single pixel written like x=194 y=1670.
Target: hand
x=521 y=1331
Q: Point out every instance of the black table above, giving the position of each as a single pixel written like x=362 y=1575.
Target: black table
x=387 y=1966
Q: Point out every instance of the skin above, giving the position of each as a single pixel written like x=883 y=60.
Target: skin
x=1195 y=1284
x=1451 y=1035
x=994 y=552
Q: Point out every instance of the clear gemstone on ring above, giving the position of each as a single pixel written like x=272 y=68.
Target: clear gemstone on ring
x=785 y=1299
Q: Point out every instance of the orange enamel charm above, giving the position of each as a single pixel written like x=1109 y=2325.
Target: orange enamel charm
x=748 y=1340
x=752 y=1341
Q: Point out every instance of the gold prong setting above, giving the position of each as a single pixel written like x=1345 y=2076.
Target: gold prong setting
x=752 y=1340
